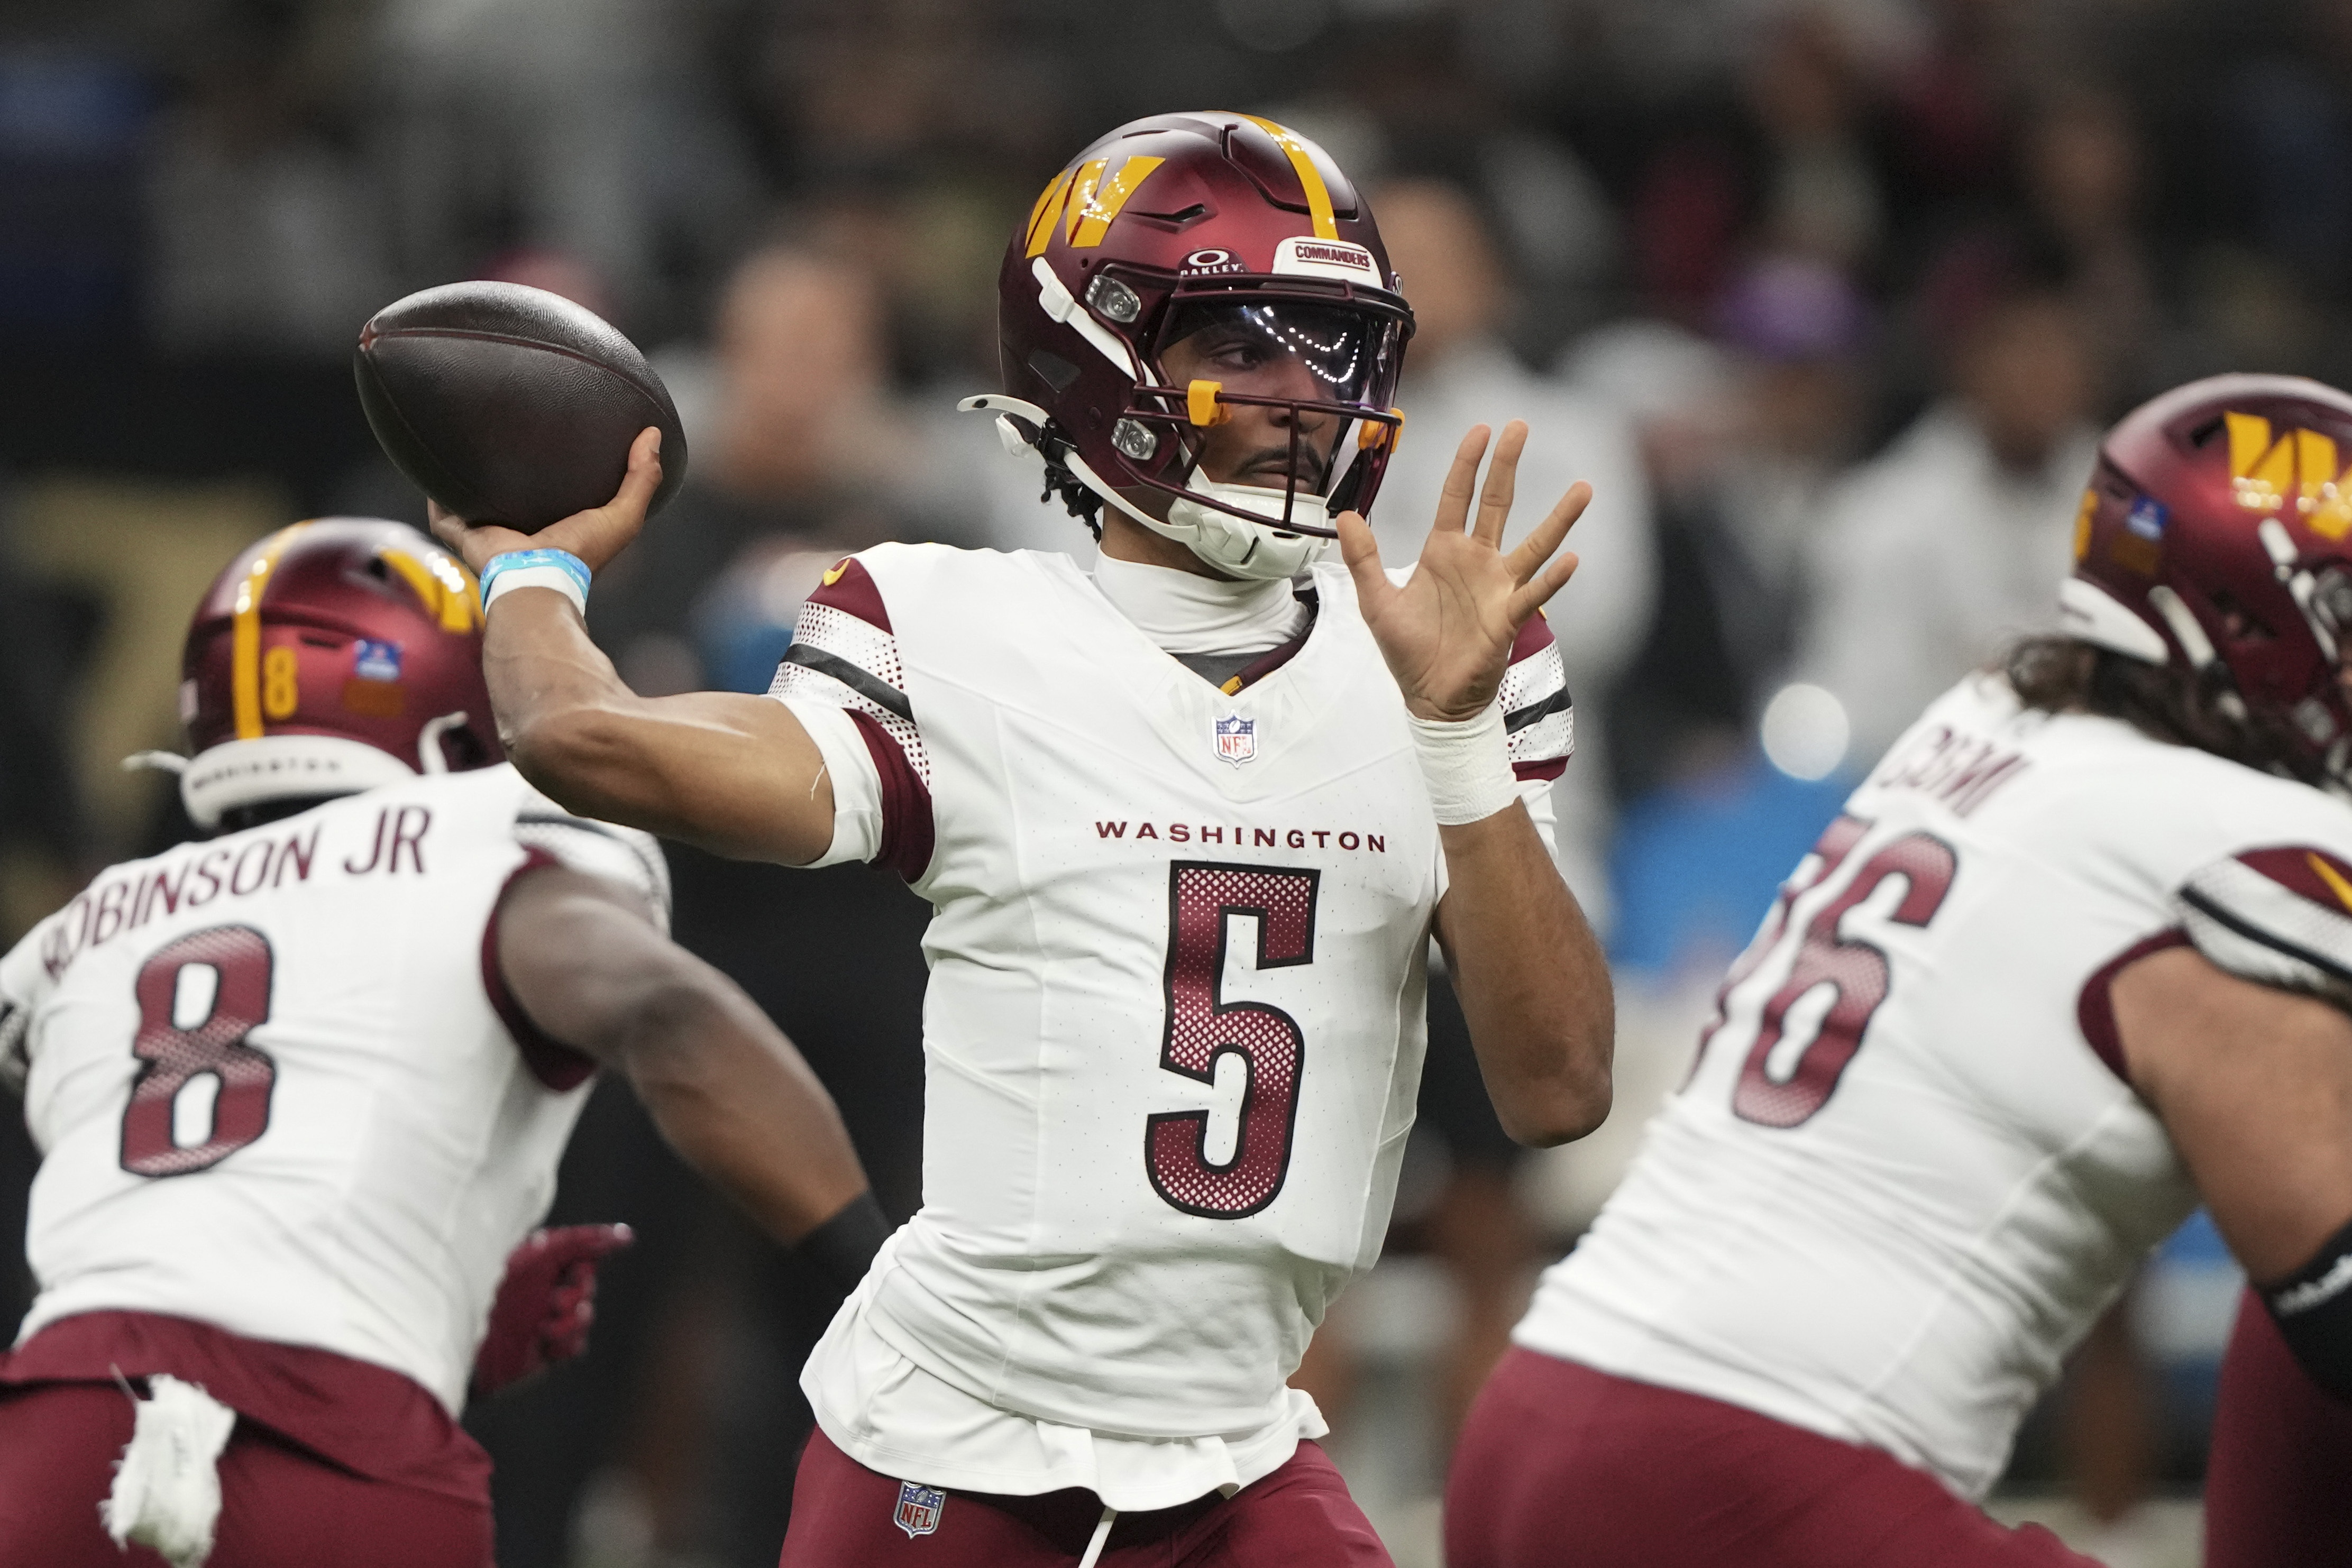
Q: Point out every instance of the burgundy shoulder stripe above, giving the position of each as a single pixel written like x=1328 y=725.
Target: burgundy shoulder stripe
x=849 y=589
x=2094 y=1009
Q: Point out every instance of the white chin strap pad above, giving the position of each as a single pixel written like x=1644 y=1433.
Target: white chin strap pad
x=276 y=766
x=1255 y=550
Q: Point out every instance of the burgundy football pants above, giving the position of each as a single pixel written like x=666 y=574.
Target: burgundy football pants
x=2278 y=1480
x=1561 y=1465
x=845 y=1516
x=280 y=1507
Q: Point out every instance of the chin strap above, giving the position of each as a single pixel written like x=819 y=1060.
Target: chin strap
x=430 y=757
x=1259 y=548
x=1027 y=431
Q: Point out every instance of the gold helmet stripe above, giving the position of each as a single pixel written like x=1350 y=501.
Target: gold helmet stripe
x=441 y=585
x=244 y=635
x=1310 y=179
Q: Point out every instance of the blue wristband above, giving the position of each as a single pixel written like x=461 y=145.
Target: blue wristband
x=540 y=564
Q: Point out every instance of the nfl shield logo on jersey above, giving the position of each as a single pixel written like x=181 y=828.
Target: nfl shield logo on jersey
x=919 y=1509
x=1236 y=738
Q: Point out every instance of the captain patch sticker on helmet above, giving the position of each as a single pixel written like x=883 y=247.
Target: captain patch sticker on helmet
x=2136 y=546
x=374 y=661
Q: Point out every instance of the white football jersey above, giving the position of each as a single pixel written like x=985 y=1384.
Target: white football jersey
x=1906 y=1173
x=1175 y=1017
x=271 y=1085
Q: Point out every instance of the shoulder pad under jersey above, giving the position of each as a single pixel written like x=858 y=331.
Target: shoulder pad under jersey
x=625 y=855
x=2280 y=917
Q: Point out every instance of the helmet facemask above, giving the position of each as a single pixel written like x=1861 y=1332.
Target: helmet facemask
x=1323 y=365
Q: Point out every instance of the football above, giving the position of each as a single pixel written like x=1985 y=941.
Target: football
x=511 y=404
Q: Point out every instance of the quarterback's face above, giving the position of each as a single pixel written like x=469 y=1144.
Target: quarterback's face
x=1303 y=354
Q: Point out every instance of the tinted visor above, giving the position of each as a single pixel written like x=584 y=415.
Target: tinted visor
x=1277 y=348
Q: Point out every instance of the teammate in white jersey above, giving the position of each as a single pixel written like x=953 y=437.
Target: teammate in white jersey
x=1187 y=826
x=2074 y=957
x=300 y=1088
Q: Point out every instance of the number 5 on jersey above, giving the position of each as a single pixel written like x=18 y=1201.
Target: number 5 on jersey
x=186 y=1035
x=1203 y=899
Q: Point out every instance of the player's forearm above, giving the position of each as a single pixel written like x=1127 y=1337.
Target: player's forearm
x=739 y=1104
x=728 y=773
x=1533 y=982
x=561 y=704
x=726 y=1090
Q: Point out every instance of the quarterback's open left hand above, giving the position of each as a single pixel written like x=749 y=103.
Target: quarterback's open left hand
x=595 y=535
x=1446 y=633
x=545 y=1304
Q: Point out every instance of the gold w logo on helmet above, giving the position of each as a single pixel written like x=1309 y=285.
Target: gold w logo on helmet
x=2267 y=472
x=1085 y=201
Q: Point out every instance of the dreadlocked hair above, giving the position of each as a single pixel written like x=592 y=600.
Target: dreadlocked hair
x=2184 y=707
x=1081 y=502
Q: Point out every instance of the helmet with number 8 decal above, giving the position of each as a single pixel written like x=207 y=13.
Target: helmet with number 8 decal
x=1169 y=226
x=334 y=656
x=2216 y=538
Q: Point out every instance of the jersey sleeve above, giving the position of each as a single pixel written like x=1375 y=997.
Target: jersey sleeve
x=1538 y=716
x=2279 y=916
x=843 y=659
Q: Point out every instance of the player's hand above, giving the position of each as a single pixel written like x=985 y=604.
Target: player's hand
x=1448 y=632
x=595 y=535
x=545 y=1304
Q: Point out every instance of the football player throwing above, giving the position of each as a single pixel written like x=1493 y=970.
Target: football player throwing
x=2076 y=955
x=300 y=1087
x=1187 y=825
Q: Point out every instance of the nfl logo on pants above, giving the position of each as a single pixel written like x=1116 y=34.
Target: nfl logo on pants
x=919 y=1509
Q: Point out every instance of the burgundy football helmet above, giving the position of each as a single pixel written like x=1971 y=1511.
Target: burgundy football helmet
x=1180 y=224
x=2213 y=539
x=334 y=656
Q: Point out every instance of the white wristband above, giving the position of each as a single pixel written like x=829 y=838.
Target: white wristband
x=553 y=577
x=1467 y=766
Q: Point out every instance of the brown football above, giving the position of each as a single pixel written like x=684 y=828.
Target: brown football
x=510 y=404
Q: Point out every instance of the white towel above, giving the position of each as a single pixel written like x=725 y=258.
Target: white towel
x=167 y=1493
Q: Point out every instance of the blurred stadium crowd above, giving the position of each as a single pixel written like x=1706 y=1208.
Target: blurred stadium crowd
x=1827 y=300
